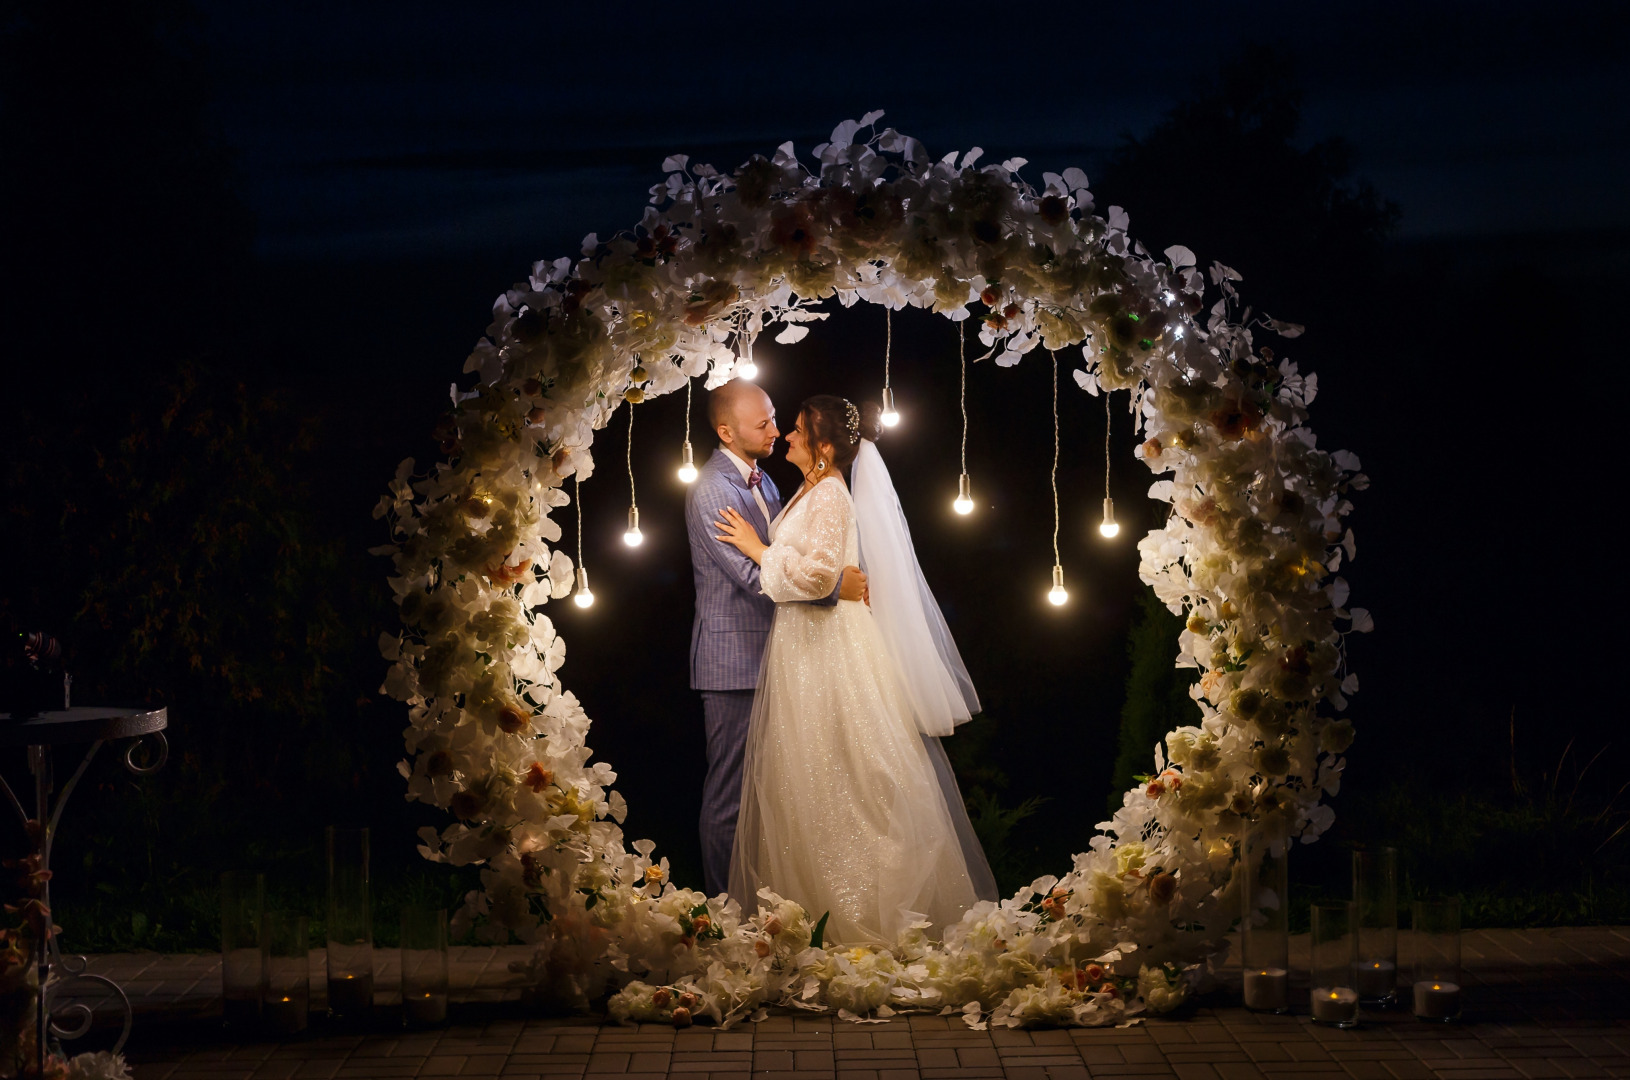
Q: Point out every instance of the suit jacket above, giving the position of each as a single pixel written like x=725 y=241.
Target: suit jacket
x=733 y=616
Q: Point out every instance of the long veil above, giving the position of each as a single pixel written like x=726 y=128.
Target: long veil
x=932 y=674
x=935 y=680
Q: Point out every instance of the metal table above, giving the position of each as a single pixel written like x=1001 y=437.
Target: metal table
x=40 y=734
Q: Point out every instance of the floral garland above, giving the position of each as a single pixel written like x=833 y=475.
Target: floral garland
x=1248 y=552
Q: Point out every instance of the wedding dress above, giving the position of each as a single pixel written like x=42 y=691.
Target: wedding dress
x=842 y=807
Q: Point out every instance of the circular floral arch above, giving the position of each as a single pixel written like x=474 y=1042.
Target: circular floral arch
x=1248 y=553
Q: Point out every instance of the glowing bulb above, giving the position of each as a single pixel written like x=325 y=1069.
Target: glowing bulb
x=1108 y=526
x=964 y=496
x=633 y=537
x=747 y=369
x=687 y=465
x=583 y=597
x=890 y=416
x=1056 y=595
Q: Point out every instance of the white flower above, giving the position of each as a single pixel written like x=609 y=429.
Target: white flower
x=98 y=1065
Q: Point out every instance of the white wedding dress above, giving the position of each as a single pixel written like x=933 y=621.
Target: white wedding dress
x=842 y=808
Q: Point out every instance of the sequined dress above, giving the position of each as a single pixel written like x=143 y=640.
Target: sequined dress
x=840 y=808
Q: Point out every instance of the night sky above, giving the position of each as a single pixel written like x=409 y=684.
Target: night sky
x=405 y=162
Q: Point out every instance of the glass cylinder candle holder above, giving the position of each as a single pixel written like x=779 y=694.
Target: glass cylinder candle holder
x=1437 y=960
x=286 y=1005
x=1334 y=998
x=1264 y=926
x=243 y=947
x=350 y=924
x=1375 y=894
x=424 y=966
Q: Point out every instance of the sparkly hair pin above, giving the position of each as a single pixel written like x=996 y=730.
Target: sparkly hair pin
x=851 y=420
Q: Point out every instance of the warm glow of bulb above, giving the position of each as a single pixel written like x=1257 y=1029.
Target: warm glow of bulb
x=687 y=473
x=583 y=598
x=1109 y=528
x=1435 y=986
x=748 y=370
x=633 y=538
x=1334 y=996
x=963 y=505
x=285 y=1000
x=890 y=418
x=1056 y=595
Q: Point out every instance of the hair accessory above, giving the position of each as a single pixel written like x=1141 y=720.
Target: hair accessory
x=851 y=420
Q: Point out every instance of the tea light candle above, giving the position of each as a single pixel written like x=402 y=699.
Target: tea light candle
x=1377 y=979
x=1267 y=990
x=1335 y=1005
x=426 y=1008
x=285 y=1013
x=1437 y=1000
x=350 y=994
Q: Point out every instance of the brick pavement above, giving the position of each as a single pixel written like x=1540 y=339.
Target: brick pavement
x=1548 y=1003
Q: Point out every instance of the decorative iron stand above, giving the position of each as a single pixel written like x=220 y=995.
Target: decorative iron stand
x=39 y=734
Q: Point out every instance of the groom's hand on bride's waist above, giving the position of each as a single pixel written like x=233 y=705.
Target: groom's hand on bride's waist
x=853 y=585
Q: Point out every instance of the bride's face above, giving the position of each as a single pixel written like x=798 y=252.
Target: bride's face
x=798 y=448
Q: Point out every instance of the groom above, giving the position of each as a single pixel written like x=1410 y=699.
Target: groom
x=732 y=616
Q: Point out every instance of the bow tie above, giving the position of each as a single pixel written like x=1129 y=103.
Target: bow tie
x=755 y=478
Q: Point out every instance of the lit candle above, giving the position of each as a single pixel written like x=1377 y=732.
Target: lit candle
x=1335 y=1005
x=1267 y=990
x=1377 y=979
x=351 y=994
x=426 y=1008
x=285 y=1013
x=1437 y=1000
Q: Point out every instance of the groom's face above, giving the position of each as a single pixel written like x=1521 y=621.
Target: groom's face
x=754 y=429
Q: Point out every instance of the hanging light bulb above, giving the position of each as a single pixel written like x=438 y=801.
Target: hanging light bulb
x=747 y=369
x=1057 y=594
x=633 y=537
x=1109 y=527
x=964 y=488
x=582 y=597
x=891 y=415
x=687 y=460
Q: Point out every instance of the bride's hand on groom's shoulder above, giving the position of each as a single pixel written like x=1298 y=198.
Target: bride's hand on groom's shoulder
x=735 y=531
x=853 y=586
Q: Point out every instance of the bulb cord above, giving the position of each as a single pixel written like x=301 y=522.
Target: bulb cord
x=688 y=381
x=577 y=497
x=1107 y=422
x=888 y=343
x=962 y=361
x=632 y=502
x=1054 y=355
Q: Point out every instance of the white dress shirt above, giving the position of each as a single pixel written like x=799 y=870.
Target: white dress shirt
x=746 y=470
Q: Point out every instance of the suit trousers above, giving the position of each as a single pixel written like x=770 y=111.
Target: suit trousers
x=725 y=713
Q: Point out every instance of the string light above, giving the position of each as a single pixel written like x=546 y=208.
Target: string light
x=1057 y=594
x=633 y=537
x=745 y=367
x=687 y=461
x=1107 y=527
x=582 y=597
x=890 y=417
x=964 y=488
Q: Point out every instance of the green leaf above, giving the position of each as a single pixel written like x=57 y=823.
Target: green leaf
x=819 y=935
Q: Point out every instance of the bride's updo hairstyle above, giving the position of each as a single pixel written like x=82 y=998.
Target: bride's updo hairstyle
x=835 y=422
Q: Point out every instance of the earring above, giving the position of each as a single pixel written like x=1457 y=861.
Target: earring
x=820 y=464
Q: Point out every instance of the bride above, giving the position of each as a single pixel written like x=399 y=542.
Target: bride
x=848 y=803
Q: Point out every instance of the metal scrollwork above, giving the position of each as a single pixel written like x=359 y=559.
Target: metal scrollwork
x=163 y=754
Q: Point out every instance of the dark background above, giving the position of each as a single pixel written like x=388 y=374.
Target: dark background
x=244 y=252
